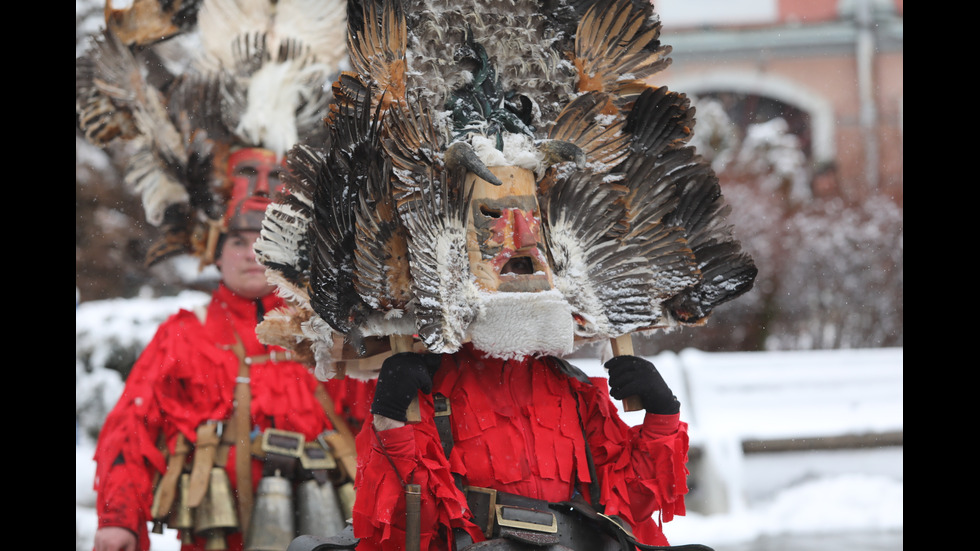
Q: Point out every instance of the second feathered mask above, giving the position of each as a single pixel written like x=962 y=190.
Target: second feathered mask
x=254 y=74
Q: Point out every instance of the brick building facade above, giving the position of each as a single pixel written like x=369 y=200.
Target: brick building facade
x=836 y=66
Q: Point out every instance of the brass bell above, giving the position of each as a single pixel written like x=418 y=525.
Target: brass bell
x=272 y=526
x=346 y=494
x=216 y=515
x=162 y=512
x=318 y=510
x=182 y=516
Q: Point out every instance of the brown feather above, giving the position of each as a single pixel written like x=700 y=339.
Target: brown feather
x=414 y=149
x=660 y=119
x=377 y=51
x=592 y=122
x=145 y=22
x=727 y=271
x=617 y=47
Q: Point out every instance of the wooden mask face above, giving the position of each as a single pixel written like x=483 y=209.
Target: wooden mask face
x=506 y=247
x=253 y=172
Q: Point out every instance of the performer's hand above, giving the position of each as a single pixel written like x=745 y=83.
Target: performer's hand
x=633 y=376
x=402 y=376
x=114 y=538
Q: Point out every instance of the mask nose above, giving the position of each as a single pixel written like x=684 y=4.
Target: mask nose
x=262 y=181
x=523 y=234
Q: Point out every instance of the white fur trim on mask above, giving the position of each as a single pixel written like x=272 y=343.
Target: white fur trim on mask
x=511 y=325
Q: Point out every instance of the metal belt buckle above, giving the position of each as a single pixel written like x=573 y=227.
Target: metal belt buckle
x=480 y=500
x=441 y=406
x=315 y=456
x=283 y=442
x=527 y=519
x=615 y=522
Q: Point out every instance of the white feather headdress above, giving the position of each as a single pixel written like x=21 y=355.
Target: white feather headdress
x=258 y=77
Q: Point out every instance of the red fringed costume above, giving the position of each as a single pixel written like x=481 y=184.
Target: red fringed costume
x=185 y=377
x=515 y=426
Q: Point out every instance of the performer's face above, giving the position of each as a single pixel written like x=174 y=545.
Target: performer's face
x=240 y=270
x=504 y=240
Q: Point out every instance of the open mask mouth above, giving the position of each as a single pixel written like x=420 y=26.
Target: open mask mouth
x=519 y=265
x=523 y=274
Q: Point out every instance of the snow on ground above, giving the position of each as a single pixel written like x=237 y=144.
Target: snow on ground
x=725 y=397
x=867 y=500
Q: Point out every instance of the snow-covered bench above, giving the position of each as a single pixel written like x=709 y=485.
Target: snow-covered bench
x=747 y=402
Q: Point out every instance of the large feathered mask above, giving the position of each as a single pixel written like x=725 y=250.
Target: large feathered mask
x=206 y=140
x=498 y=173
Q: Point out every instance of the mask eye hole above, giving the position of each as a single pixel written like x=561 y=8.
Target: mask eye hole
x=275 y=179
x=489 y=212
x=247 y=172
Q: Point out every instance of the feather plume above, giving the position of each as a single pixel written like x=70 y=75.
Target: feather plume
x=414 y=149
x=332 y=293
x=301 y=27
x=727 y=271
x=381 y=263
x=578 y=246
x=283 y=246
x=659 y=120
x=615 y=281
x=377 y=44
x=381 y=248
x=170 y=165
x=276 y=94
x=101 y=119
x=112 y=76
x=444 y=294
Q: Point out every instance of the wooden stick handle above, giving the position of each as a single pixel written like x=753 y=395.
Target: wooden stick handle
x=403 y=343
x=623 y=346
x=413 y=517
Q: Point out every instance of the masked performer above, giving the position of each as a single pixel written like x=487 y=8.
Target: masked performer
x=500 y=185
x=212 y=421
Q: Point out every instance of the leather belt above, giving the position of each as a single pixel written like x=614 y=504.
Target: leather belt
x=295 y=458
x=533 y=522
x=274 y=356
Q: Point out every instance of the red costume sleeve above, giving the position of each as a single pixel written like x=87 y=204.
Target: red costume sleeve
x=410 y=454
x=126 y=455
x=642 y=469
x=162 y=396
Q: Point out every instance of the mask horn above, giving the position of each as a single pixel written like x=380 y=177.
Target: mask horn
x=461 y=155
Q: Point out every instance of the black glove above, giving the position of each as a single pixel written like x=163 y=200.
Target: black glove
x=632 y=376
x=402 y=376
